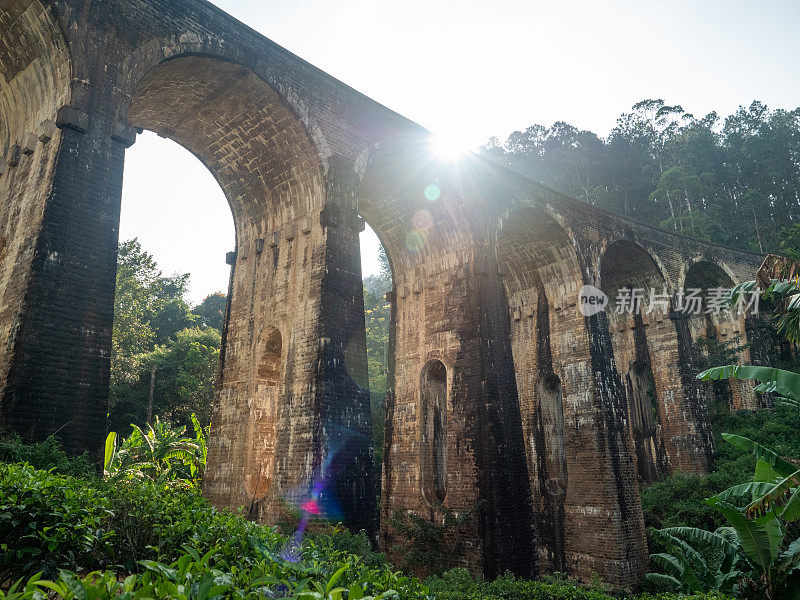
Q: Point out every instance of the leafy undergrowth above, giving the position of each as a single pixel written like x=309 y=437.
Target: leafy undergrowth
x=679 y=500
x=458 y=585
x=85 y=538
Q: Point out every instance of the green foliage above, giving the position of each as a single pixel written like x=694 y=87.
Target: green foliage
x=164 y=542
x=457 y=584
x=679 y=500
x=376 y=317
x=687 y=570
x=734 y=182
x=44 y=455
x=430 y=545
x=754 y=554
x=157 y=337
x=148 y=308
x=211 y=311
x=714 y=352
x=160 y=453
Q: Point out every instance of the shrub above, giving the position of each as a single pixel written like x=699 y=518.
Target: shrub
x=457 y=584
x=44 y=455
x=164 y=537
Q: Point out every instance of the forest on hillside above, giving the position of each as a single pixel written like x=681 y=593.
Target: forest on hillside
x=732 y=180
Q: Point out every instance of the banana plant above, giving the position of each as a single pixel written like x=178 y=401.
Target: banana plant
x=784 y=384
x=687 y=570
x=160 y=453
x=756 y=555
x=776 y=485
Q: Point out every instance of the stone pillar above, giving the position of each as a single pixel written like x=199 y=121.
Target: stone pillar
x=343 y=456
x=690 y=439
x=451 y=309
x=59 y=376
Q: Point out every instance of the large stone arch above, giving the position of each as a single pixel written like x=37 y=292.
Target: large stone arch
x=666 y=418
x=300 y=170
x=542 y=278
x=271 y=174
x=447 y=305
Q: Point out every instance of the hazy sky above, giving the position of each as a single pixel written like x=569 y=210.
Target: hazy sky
x=469 y=70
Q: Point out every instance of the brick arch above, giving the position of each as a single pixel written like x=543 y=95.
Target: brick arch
x=241 y=129
x=148 y=56
x=708 y=273
x=627 y=264
x=414 y=229
x=534 y=248
x=541 y=277
x=718 y=328
x=652 y=354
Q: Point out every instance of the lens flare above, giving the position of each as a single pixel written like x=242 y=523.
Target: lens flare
x=415 y=241
x=432 y=193
x=422 y=220
x=319 y=500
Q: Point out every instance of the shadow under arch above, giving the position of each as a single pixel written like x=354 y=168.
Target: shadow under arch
x=630 y=277
x=541 y=280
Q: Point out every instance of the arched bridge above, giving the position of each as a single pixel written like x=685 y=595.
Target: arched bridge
x=505 y=398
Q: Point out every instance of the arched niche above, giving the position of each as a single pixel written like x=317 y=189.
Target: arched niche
x=262 y=418
x=433 y=445
x=640 y=326
x=554 y=481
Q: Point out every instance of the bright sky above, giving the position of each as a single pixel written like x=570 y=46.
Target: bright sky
x=470 y=69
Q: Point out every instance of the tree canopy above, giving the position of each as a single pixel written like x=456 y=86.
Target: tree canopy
x=159 y=339
x=734 y=181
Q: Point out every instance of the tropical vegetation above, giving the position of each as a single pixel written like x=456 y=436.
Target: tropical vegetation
x=732 y=180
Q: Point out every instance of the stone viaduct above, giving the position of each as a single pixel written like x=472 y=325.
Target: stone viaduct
x=503 y=398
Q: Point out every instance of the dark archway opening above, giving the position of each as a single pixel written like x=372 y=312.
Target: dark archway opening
x=631 y=279
x=717 y=339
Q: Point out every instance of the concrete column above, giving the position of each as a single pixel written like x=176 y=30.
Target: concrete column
x=59 y=377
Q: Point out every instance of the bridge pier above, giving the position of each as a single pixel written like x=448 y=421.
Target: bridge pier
x=59 y=374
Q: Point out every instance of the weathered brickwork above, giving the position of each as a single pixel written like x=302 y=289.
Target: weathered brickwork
x=504 y=401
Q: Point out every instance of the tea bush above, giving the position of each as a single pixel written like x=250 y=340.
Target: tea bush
x=85 y=538
x=51 y=523
x=44 y=455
